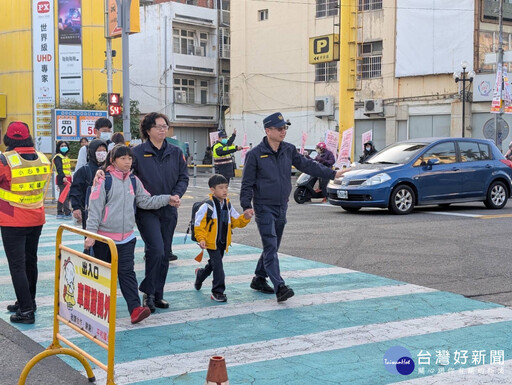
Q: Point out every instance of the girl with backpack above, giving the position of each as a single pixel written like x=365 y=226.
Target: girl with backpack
x=112 y=214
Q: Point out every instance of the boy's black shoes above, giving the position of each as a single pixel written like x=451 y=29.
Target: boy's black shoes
x=15 y=307
x=149 y=301
x=260 y=284
x=23 y=318
x=161 y=304
x=197 y=283
x=219 y=297
x=172 y=257
x=283 y=293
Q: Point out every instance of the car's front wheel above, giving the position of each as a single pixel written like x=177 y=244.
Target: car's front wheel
x=401 y=201
x=497 y=196
x=351 y=209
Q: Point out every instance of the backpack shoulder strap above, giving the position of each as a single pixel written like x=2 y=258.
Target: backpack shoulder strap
x=209 y=211
x=108 y=185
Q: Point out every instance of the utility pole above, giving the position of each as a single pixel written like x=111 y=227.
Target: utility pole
x=123 y=6
x=348 y=64
x=108 y=55
x=499 y=63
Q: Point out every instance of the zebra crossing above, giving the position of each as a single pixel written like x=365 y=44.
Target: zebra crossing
x=337 y=329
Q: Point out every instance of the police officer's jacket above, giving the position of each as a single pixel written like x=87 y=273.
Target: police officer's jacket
x=165 y=174
x=266 y=176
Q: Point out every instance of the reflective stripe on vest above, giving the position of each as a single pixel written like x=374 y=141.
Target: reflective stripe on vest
x=66 y=164
x=28 y=178
x=220 y=159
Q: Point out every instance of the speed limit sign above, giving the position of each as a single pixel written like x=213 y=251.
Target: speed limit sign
x=66 y=125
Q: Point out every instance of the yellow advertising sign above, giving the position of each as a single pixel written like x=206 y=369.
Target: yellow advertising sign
x=323 y=49
x=113 y=29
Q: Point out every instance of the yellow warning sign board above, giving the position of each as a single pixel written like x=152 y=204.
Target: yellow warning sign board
x=323 y=49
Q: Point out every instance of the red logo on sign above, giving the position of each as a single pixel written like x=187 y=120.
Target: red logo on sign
x=43 y=7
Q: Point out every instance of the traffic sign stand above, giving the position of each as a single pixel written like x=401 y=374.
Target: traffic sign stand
x=84 y=300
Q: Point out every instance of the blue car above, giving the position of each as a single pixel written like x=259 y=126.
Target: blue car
x=431 y=171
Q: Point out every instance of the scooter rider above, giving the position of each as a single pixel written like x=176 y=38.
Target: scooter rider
x=325 y=157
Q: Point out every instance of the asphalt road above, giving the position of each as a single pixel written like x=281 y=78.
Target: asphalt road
x=463 y=249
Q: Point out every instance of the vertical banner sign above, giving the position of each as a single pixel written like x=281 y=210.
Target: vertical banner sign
x=303 y=142
x=365 y=138
x=84 y=298
x=331 y=141
x=213 y=137
x=70 y=50
x=496 y=99
x=244 y=151
x=345 y=148
x=507 y=102
x=43 y=64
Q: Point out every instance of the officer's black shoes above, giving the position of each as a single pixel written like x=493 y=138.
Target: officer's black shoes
x=149 y=301
x=260 y=284
x=172 y=257
x=15 y=307
x=197 y=283
x=219 y=297
x=161 y=304
x=23 y=318
x=283 y=293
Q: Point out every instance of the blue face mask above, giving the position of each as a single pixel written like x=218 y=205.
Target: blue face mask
x=64 y=149
x=224 y=141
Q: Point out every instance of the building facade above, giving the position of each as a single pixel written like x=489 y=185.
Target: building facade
x=407 y=54
x=180 y=66
x=52 y=52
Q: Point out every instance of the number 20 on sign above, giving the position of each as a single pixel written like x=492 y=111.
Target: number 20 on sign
x=67 y=126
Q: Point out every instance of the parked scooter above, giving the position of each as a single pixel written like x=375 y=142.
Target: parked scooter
x=305 y=190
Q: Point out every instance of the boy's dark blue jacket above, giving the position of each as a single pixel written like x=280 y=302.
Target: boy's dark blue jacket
x=266 y=177
x=169 y=175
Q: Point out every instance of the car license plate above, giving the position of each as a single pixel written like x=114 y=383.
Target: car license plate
x=342 y=194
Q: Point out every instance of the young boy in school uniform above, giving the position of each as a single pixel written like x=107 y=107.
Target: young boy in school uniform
x=212 y=227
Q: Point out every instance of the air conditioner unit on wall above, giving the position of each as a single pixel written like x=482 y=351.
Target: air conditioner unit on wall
x=180 y=96
x=198 y=50
x=324 y=106
x=373 y=106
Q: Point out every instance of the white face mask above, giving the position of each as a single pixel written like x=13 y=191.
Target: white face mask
x=101 y=156
x=105 y=135
x=368 y=148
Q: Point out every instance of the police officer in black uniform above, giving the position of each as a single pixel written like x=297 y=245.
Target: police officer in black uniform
x=266 y=187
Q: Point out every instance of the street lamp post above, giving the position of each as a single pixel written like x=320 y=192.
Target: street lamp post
x=464 y=77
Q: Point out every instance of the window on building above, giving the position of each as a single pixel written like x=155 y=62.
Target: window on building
x=326 y=72
x=203 y=89
x=370 y=64
x=326 y=8
x=188 y=85
x=186 y=42
x=262 y=14
x=370 y=5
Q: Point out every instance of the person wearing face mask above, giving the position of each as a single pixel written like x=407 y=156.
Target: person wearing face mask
x=103 y=131
x=369 y=150
x=62 y=168
x=84 y=177
x=222 y=152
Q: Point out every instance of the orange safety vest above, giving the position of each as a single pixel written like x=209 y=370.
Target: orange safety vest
x=66 y=164
x=28 y=178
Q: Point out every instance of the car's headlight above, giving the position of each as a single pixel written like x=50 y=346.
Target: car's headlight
x=376 y=179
